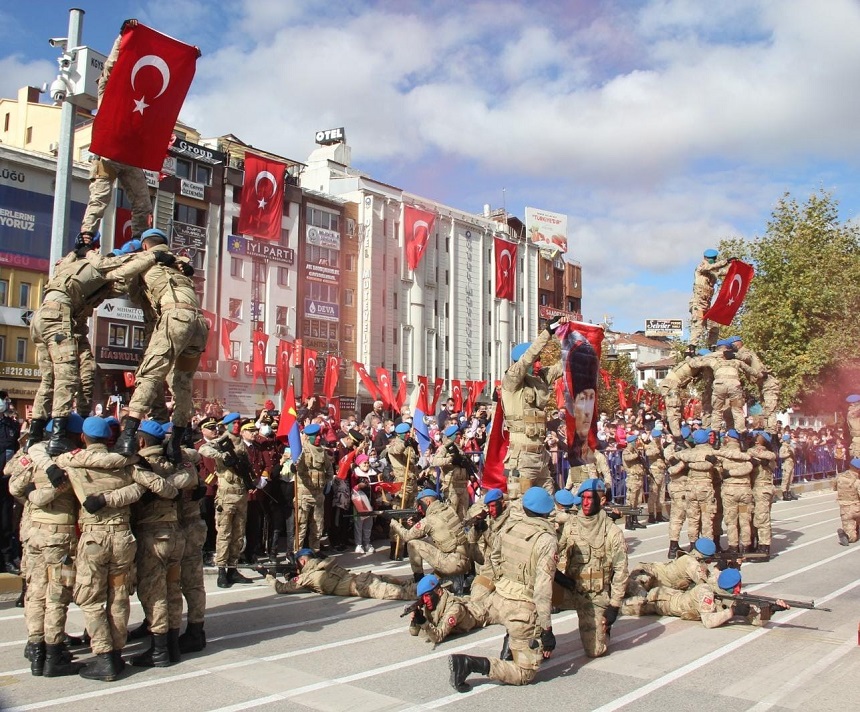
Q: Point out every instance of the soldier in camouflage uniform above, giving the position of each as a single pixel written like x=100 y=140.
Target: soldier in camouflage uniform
x=786 y=456
x=701 y=464
x=677 y=471
x=403 y=449
x=314 y=470
x=576 y=475
x=764 y=466
x=634 y=465
x=709 y=270
x=736 y=493
x=106 y=548
x=653 y=453
x=524 y=559
x=728 y=396
x=481 y=537
x=446 y=549
x=450 y=458
x=847 y=486
x=441 y=613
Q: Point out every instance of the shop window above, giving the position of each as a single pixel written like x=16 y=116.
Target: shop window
x=118 y=335
x=137 y=337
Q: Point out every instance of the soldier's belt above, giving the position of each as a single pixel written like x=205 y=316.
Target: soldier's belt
x=55 y=528
x=485 y=582
x=178 y=305
x=105 y=527
x=56 y=305
x=527 y=448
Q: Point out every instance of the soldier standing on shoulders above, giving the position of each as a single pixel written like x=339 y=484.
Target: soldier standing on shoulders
x=709 y=270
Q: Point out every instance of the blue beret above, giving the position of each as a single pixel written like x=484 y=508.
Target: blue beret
x=230 y=418
x=732 y=433
x=728 y=579
x=786 y=437
x=151 y=427
x=590 y=485
x=734 y=339
x=493 y=495
x=154 y=232
x=167 y=426
x=656 y=433
x=404 y=428
x=312 y=429
x=427 y=493
x=577 y=501
x=704 y=352
x=853 y=398
x=706 y=547
x=756 y=409
x=451 y=431
x=520 y=349
x=564 y=497
x=685 y=431
x=710 y=252
x=700 y=437
x=129 y=247
x=96 y=427
x=855 y=462
x=75 y=423
x=632 y=438
x=427 y=584
x=110 y=420
x=765 y=435
x=724 y=342
x=538 y=500
x=304 y=552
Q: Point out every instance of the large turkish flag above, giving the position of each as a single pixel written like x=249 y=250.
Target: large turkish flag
x=506 y=260
x=262 y=197
x=417 y=226
x=732 y=292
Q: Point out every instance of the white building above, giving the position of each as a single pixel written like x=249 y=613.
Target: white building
x=650 y=358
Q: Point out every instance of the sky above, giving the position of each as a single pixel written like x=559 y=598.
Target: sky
x=659 y=127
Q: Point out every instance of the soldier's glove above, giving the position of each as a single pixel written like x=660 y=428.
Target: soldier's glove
x=82 y=251
x=410 y=442
x=56 y=475
x=553 y=325
x=165 y=258
x=418 y=617
x=29 y=488
x=451 y=448
x=713 y=459
x=186 y=269
x=94 y=502
x=148 y=497
x=610 y=615
x=547 y=640
x=199 y=492
x=481 y=525
x=230 y=460
x=741 y=609
x=262 y=570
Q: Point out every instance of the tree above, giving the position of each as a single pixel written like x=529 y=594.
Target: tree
x=802 y=313
x=620 y=368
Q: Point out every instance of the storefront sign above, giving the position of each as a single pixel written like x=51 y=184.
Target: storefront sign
x=315 y=309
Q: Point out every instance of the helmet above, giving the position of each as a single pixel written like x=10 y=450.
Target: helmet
x=427 y=584
x=538 y=500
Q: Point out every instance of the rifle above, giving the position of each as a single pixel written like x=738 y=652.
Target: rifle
x=733 y=561
x=479 y=517
x=411 y=608
x=758 y=600
x=391 y=513
x=564 y=581
x=289 y=569
x=238 y=462
x=624 y=510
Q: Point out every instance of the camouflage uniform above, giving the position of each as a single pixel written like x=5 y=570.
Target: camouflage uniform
x=451 y=615
x=314 y=470
x=524 y=399
x=853 y=419
x=677 y=491
x=736 y=493
x=764 y=463
x=480 y=548
x=656 y=478
x=577 y=474
x=446 y=550
x=596 y=556
x=704 y=282
x=635 y=468
x=327 y=577
x=700 y=603
x=681 y=573
x=193 y=530
x=670 y=388
x=455 y=479
x=107 y=548
x=399 y=452
x=701 y=498
x=847 y=486
x=786 y=455
x=727 y=400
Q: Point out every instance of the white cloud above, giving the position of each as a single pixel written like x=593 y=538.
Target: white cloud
x=16 y=72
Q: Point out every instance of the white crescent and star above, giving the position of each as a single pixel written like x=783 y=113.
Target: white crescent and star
x=126 y=226
x=737 y=279
x=265 y=175
x=505 y=270
x=421 y=243
x=150 y=60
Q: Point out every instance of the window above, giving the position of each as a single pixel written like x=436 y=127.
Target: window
x=285 y=237
x=349 y=297
x=323 y=218
x=348 y=333
x=137 y=337
x=395 y=303
x=183 y=168
x=543 y=300
x=259 y=271
x=281 y=314
x=322 y=292
x=322 y=256
x=234 y=226
x=4 y=292
x=118 y=335
x=237 y=196
x=394 y=335
x=283 y=277
x=203 y=174
x=350 y=263
x=383 y=334
x=189 y=215
x=2 y=348
x=383 y=299
x=237 y=268
x=24 y=295
x=29 y=138
x=235 y=308
x=6 y=121
x=235 y=351
x=21 y=351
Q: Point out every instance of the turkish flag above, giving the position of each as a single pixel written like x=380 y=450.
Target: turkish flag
x=332 y=372
x=417 y=226
x=506 y=260
x=497 y=449
x=384 y=381
x=261 y=340
x=457 y=395
x=210 y=355
x=142 y=98
x=345 y=464
x=333 y=407
x=421 y=403
x=437 y=391
x=128 y=377
x=310 y=373
x=283 y=361
x=402 y=388
x=227 y=328
x=606 y=377
x=262 y=197
x=732 y=292
x=475 y=389
x=371 y=387
x=122 y=227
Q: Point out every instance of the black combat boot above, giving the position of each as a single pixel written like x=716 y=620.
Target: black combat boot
x=126 y=443
x=118 y=662
x=103 y=668
x=462 y=666
x=236 y=577
x=652 y=519
x=764 y=549
x=58 y=662
x=156 y=656
x=673 y=550
x=37 y=432
x=843 y=537
x=141 y=632
x=28 y=650
x=37 y=659
x=193 y=640
x=19 y=602
x=637 y=524
x=174 y=446
x=660 y=518
x=505 y=653
x=59 y=443
x=76 y=641
x=223 y=579
x=628 y=523
x=173 y=649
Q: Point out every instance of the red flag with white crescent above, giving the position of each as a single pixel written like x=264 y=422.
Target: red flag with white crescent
x=606 y=377
x=421 y=404
x=402 y=388
x=227 y=328
x=475 y=389
x=345 y=464
x=283 y=361
x=506 y=260
x=371 y=387
x=497 y=449
x=417 y=227
x=261 y=340
x=310 y=371
x=122 y=227
x=437 y=391
x=732 y=292
x=262 y=197
x=332 y=372
x=457 y=395
x=384 y=381
x=142 y=98
x=333 y=407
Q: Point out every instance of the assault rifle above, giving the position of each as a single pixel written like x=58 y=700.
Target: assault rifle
x=733 y=561
x=479 y=517
x=757 y=600
x=624 y=510
x=238 y=462
x=564 y=581
x=391 y=513
x=411 y=608
x=288 y=569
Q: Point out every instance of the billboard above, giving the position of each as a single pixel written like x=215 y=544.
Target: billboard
x=664 y=327
x=25 y=222
x=547 y=230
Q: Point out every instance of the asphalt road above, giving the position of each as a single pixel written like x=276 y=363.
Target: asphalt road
x=312 y=652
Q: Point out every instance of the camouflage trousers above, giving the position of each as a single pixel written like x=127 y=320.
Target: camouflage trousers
x=763 y=498
x=43 y=401
x=421 y=550
x=159 y=552
x=458 y=497
x=103 y=171
x=369 y=585
x=527 y=469
x=701 y=506
x=520 y=621
x=589 y=610
x=50 y=575
x=173 y=354
x=103 y=583
x=787 y=474
x=635 y=485
x=191 y=576
x=728 y=398
x=231 y=515
x=655 y=493
x=57 y=353
x=737 y=508
x=311 y=518
x=850 y=515
x=673 y=412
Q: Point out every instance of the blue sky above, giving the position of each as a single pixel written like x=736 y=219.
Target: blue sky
x=658 y=126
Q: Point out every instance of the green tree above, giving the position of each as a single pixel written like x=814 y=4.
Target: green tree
x=802 y=313
x=620 y=367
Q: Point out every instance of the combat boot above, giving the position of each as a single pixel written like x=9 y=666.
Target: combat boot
x=505 y=653
x=652 y=519
x=37 y=659
x=173 y=649
x=37 y=432
x=673 y=550
x=103 y=668
x=141 y=632
x=223 y=580
x=461 y=666
x=786 y=496
x=236 y=577
x=59 y=443
x=19 y=602
x=764 y=549
x=156 y=656
x=118 y=662
x=637 y=524
x=628 y=523
x=76 y=641
x=193 y=640
x=126 y=443
x=843 y=537
x=58 y=662
x=174 y=446
x=28 y=650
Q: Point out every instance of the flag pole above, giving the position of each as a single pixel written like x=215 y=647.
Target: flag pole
x=403 y=495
